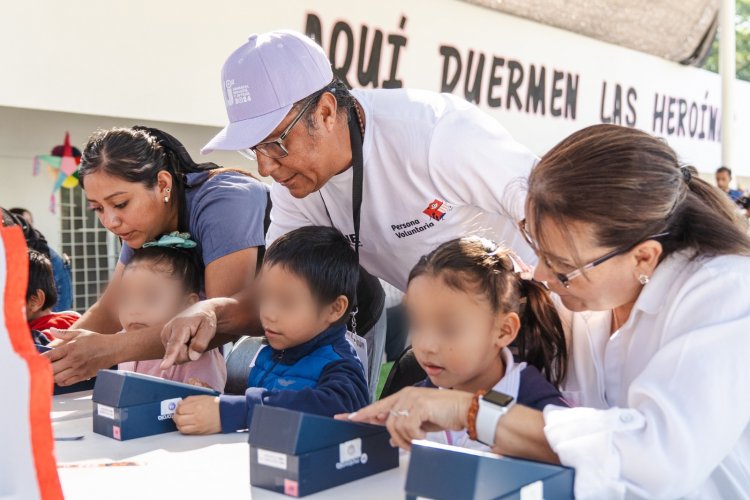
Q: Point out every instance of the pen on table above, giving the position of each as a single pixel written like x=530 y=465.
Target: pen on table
x=97 y=464
x=68 y=438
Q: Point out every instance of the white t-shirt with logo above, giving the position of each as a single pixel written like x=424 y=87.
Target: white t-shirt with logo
x=435 y=168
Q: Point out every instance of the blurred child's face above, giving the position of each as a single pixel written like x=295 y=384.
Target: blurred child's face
x=455 y=335
x=289 y=312
x=150 y=297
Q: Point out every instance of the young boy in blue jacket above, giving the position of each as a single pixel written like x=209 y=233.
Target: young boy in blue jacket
x=306 y=288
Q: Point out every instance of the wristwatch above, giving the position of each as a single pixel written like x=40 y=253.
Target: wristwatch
x=492 y=407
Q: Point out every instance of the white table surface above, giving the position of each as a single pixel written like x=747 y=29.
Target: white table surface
x=173 y=466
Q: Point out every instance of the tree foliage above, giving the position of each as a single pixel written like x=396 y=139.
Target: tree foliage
x=742 y=23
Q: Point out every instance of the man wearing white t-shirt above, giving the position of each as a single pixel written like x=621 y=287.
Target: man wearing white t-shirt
x=433 y=167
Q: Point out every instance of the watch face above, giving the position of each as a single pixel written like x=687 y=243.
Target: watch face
x=498 y=398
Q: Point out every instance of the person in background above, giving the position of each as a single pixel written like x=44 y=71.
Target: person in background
x=22 y=212
x=723 y=179
x=41 y=296
x=60 y=265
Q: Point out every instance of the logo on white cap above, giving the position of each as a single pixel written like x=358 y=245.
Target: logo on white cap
x=228 y=91
x=282 y=67
x=236 y=94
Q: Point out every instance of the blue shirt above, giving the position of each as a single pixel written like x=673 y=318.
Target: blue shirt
x=225 y=213
x=323 y=376
x=734 y=194
x=63 y=282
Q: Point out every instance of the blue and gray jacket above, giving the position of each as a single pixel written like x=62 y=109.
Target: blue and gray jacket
x=322 y=376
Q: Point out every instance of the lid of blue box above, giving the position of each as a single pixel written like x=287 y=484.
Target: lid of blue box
x=120 y=388
x=442 y=471
x=295 y=433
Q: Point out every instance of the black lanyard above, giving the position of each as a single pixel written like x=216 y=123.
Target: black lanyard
x=355 y=138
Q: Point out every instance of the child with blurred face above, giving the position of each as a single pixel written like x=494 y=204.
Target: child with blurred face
x=468 y=302
x=305 y=290
x=157 y=284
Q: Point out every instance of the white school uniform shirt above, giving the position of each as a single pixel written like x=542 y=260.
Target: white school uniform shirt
x=667 y=407
x=424 y=154
x=509 y=385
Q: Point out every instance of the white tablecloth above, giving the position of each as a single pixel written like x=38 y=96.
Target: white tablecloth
x=173 y=466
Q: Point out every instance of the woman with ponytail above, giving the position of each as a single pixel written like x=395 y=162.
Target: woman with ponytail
x=652 y=269
x=142 y=184
x=468 y=302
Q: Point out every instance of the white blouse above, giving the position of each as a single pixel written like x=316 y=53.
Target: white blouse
x=665 y=401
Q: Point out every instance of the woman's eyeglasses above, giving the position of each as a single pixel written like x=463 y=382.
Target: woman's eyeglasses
x=564 y=278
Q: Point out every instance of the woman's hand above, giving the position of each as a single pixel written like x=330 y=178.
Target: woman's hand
x=411 y=412
x=80 y=354
x=198 y=415
x=188 y=334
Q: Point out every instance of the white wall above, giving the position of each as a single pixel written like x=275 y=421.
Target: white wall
x=161 y=61
x=25 y=133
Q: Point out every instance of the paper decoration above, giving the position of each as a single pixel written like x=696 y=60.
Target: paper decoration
x=65 y=160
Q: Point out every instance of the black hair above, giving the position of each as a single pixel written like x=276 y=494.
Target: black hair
x=478 y=265
x=19 y=211
x=138 y=154
x=724 y=169
x=175 y=262
x=41 y=278
x=34 y=239
x=324 y=258
x=344 y=101
x=8 y=218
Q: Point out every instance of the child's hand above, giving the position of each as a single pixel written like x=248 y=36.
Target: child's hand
x=198 y=415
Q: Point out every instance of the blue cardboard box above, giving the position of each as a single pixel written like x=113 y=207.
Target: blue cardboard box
x=446 y=472
x=84 y=385
x=130 y=405
x=297 y=453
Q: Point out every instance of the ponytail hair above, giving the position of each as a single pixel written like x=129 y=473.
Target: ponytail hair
x=707 y=221
x=541 y=339
x=481 y=266
x=628 y=185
